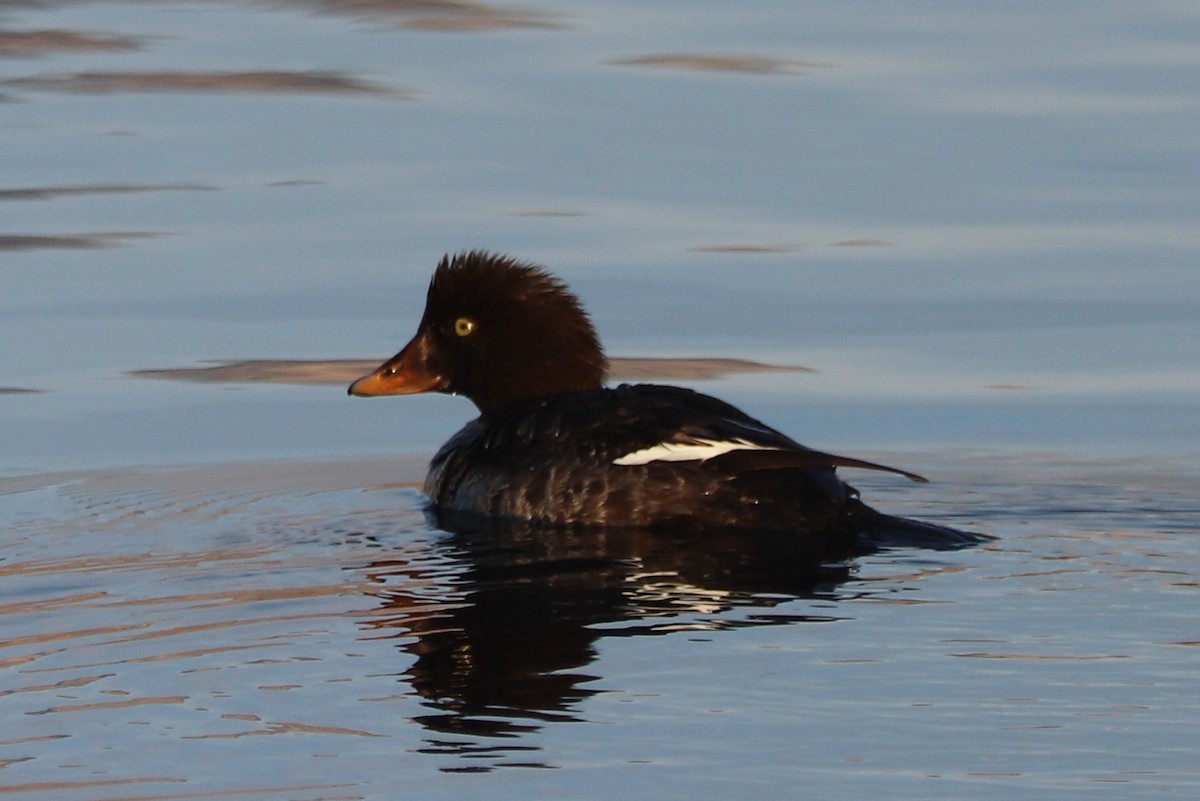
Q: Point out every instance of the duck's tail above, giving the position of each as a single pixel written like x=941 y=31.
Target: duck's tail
x=886 y=531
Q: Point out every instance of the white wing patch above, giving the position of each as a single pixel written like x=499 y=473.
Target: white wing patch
x=697 y=450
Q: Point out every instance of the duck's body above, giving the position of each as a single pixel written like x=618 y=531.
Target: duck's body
x=639 y=455
x=553 y=446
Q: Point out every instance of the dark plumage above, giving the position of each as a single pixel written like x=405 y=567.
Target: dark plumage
x=553 y=446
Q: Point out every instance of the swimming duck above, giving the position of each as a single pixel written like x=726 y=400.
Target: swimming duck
x=553 y=445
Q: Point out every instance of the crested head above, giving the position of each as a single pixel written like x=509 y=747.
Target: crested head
x=497 y=331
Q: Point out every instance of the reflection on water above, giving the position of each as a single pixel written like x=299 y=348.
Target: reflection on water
x=54 y=192
x=341 y=371
x=505 y=651
x=214 y=569
x=429 y=15
x=89 y=241
x=314 y=615
x=754 y=65
x=25 y=44
x=267 y=81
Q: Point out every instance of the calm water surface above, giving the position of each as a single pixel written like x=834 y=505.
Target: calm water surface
x=975 y=223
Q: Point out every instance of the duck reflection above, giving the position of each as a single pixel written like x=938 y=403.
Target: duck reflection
x=504 y=617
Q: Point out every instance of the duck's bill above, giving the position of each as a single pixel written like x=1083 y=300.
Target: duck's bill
x=404 y=374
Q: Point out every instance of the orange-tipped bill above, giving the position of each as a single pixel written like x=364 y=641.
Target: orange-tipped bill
x=406 y=373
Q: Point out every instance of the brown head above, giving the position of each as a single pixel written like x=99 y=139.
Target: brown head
x=497 y=331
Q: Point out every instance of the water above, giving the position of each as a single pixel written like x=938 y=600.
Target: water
x=975 y=224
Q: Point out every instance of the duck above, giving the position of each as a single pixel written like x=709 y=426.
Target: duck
x=554 y=446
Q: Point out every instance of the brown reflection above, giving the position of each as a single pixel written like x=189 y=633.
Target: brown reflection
x=339 y=371
x=503 y=617
x=35 y=43
x=752 y=65
x=432 y=15
x=291 y=182
x=101 y=239
x=862 y=243
x=744 y=249
x=465 y=17
x=264 y=81
x=52 y=192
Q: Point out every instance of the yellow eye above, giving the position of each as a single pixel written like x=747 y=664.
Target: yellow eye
x=463 y=326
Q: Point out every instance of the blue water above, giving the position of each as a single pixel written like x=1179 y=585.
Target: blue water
x=1022 y=186
x=976 y=223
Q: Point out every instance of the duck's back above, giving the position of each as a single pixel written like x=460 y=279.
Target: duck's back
x=639 y=455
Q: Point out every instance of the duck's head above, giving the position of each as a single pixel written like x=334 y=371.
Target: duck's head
x=497 y=331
